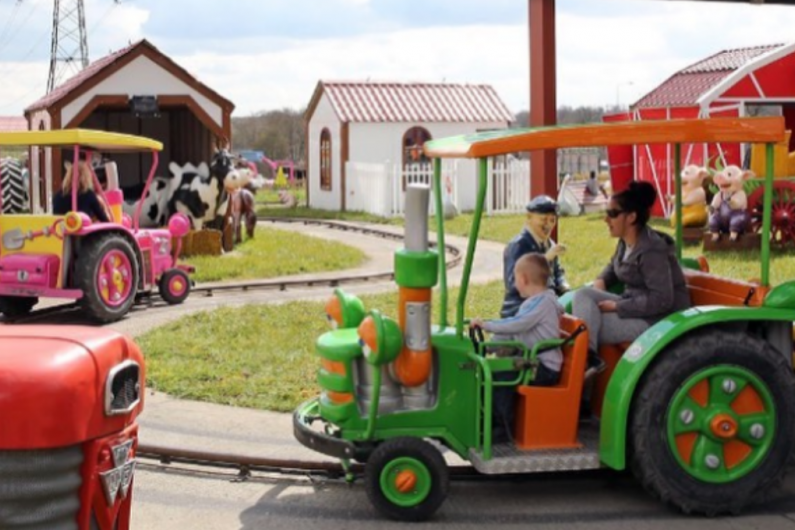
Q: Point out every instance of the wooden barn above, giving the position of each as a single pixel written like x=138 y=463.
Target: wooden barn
x=135 y=90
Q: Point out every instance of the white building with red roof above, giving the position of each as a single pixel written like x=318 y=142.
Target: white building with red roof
x=368 y=124
x=728 y=83
x=13 y=123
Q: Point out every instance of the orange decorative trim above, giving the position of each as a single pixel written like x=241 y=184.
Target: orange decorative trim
x=715 y=130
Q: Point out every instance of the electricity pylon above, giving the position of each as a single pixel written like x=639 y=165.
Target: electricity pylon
x=69 y=47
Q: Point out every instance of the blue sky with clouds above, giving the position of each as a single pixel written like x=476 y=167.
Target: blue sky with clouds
x=265 y=54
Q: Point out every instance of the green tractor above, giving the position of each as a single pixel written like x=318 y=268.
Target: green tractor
x=699 y=407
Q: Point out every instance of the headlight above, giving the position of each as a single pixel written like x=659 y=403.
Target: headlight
x=344 y=310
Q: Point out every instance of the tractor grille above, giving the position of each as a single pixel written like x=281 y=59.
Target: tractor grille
x=123 y=390
x=40 y=489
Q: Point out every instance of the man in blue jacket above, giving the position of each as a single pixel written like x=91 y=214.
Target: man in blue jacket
x=542 y=216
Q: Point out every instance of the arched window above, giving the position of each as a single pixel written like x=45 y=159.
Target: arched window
x=325 y=160
x=413 y=141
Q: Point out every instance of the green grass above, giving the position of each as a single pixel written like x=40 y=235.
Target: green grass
x=275 y=253
x=271 y=196
x=302 y=212
x=262 y=356
x=259 y=356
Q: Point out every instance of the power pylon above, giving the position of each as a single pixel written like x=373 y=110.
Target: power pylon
x=69 y=48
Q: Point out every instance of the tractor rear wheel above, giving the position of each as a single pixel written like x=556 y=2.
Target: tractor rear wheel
x=406 y=479
x=107 y=273
x=711 y=427
x=17 y=306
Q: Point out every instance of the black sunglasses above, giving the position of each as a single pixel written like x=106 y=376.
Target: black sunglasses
x=612 y=213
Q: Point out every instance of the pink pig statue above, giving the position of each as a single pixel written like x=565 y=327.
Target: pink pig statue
x=729 y=206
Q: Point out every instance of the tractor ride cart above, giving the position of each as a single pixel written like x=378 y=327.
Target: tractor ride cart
x=701 y=406
x=104 y=266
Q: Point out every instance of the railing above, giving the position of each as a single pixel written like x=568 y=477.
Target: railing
x=379 y=189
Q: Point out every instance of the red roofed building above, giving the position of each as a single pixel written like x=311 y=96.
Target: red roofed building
x=387 y=122
x=724 y=84
x=191 y=118
x=13 y=123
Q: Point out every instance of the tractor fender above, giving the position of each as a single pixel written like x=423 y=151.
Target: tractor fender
x=630 y=369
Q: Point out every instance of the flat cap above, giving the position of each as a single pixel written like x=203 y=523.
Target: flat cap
x=543 y=204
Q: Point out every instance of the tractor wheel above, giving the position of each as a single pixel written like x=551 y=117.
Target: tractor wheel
x=17 y=306
x=174 y=286
x=782 y=225
x=406 y=479
x=107 y=273
x=711 y=428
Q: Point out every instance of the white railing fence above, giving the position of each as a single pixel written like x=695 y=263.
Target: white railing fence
x=509 y=188
x=379 y=189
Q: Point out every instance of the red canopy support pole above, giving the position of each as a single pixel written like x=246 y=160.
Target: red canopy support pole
x=543 y=104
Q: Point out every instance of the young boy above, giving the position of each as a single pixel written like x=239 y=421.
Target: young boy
x=538 y=318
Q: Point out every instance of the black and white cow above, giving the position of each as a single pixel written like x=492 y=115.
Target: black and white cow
x=14 y=184
x=200 y=192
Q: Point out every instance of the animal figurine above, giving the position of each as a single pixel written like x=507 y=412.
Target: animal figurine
x=243 y=212
x=728 y=211
x=694 y=197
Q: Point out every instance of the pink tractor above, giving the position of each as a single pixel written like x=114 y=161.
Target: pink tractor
x=89 y=251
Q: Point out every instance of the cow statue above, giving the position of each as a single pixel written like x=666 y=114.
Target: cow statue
x=728 y=211
x=200 y=192
x=14 y=181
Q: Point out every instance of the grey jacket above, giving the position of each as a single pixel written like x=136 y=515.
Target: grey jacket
x=654 y=285
x=538 y=318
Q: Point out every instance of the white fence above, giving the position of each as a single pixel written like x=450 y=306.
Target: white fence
x=379 y=189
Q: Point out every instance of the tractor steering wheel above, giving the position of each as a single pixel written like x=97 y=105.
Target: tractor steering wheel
x=477 y=337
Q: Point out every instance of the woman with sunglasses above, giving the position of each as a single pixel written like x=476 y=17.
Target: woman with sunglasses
x=644 y=262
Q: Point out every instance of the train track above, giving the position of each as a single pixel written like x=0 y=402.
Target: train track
x=275 y=284
x=245 y=466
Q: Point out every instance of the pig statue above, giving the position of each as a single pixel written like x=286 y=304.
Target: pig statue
x=694 y=197
x=728 y=211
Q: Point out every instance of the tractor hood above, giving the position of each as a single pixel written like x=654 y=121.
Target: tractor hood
x=63 y=385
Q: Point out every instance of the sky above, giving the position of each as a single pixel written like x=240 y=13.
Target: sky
x=270 y=54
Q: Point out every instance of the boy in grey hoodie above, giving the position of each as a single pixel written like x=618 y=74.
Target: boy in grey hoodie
x=538 y=318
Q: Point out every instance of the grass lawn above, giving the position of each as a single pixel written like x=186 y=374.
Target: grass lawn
x=258 y=356
x=262 y=356
x=274 y=253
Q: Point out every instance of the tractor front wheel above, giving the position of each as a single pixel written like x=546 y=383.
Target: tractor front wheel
x=107 y=273
x=406 y=479
x=17 y=306
x=711 y=427
x=174 y=286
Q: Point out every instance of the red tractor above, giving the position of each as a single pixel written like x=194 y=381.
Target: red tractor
x=69 y=399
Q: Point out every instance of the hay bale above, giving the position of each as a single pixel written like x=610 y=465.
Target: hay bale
x=206 y=242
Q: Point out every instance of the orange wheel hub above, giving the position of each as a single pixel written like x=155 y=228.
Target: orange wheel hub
x=723 y=426
x=405 y=481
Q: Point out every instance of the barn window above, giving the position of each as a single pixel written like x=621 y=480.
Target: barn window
x=325 y=160
x=413 y=141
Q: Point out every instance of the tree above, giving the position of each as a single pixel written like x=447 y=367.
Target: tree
x=281 y=134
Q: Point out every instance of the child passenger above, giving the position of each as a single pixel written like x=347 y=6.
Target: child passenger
x=538 y=318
